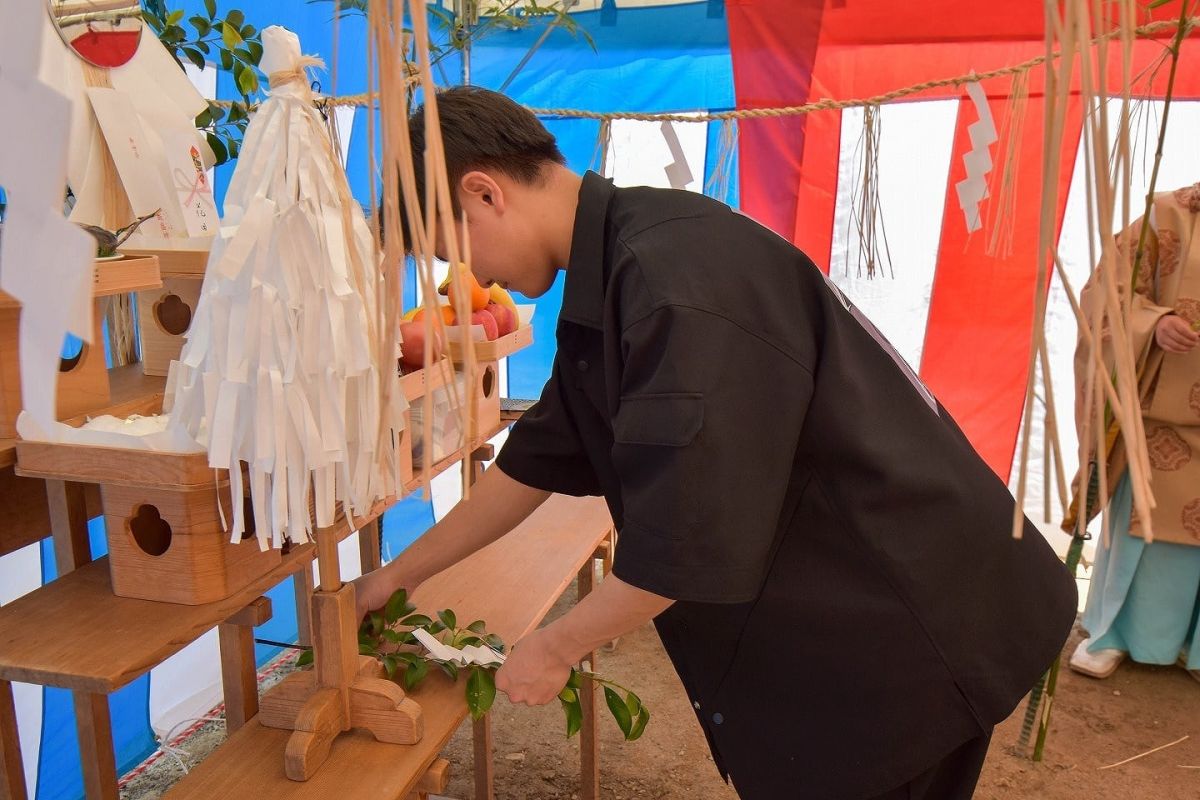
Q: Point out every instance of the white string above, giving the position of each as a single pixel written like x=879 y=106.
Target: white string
x=166 y=748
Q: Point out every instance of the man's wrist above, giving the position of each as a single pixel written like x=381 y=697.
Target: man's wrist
x=563 y=646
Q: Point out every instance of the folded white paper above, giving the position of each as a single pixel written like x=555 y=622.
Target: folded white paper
x=467 y=655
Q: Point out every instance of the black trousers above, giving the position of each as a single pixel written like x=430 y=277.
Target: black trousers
x=952 y=778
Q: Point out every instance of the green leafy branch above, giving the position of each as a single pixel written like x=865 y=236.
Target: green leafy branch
x=460 y=33
x=631 y=716
x=387 y=635
x=230 y=44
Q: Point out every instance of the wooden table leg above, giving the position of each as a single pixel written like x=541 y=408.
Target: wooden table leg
x=302 y=584
x=68 y=524
x=96 y=755
x=370 y=546
x=485 y=778
x=12 y=771
x=589 y=742
x=239 y=672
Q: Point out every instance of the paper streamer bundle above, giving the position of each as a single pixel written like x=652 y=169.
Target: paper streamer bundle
x=283 y=365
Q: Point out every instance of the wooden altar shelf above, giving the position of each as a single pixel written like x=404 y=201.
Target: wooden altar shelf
x=163 y=517
x=74 y=633
x=83 y=384
x=115 y=640
x=512 y=584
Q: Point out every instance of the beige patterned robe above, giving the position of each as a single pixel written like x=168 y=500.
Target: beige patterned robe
x=1169 y=383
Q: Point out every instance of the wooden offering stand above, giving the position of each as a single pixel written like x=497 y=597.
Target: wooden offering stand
x=83 y=384
x=162 y=520
x=343 y=690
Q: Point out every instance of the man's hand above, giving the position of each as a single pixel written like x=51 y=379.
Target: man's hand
x=1175 y=335
x=534 y=673
x=371 y=591
x=539 y=665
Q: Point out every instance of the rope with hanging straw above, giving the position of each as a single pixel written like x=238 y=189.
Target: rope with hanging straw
x=1143 y=31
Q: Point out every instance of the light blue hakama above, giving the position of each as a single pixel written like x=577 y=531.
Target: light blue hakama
x=1143 y=598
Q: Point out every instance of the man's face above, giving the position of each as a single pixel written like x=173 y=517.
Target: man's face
x=504 y=238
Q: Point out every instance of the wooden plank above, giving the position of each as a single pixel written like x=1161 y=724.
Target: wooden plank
x=190 y=262
x=112 y=465
x=302 y=587
x=113 y=639
x=27 y=515
x=370 y=555
x=257 y=612
x=129 y=274
x=69 y=525
x=239 y=679
x=530 y=568
x=94 y=726
x=12 y=772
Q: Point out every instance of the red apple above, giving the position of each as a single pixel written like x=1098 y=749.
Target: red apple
x=412 y=345
x=506 y=320
x=490 y=331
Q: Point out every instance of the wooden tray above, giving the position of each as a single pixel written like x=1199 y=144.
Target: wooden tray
x=129 y=274
x=176 y=261
x=117 y=466
x=497 y=348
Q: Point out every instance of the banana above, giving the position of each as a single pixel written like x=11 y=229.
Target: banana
x=500 y=296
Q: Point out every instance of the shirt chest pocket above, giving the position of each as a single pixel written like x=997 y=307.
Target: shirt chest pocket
x=658 y=453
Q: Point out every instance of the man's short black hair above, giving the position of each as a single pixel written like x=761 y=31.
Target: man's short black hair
x=481 y=129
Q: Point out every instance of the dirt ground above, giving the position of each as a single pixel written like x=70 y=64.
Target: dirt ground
x=1095 y=723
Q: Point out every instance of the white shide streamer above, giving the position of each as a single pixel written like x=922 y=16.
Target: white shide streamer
x=279 y=370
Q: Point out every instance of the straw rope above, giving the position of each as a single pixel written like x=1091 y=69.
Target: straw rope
x=1143 y=31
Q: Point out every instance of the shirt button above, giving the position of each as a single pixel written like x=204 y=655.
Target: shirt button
x=718 y=718
x=581 y=365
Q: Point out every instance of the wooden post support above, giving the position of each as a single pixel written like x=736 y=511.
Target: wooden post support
x=68 y=525
x=370 y=546
x=342 y=691
x=589 y=747
x=12 y=771
x=94 y=725
x=239 y=673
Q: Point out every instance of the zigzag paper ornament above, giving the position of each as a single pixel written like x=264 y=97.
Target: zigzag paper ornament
x=45 y=261
x=973 y=189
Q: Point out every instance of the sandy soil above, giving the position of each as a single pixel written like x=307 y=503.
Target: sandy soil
x=1095 y=723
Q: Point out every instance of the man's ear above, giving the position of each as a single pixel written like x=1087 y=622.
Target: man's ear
x=481 y=190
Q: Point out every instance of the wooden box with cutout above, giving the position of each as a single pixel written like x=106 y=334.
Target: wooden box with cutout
x=164 y=316
x=166 y=540
x=83 y=375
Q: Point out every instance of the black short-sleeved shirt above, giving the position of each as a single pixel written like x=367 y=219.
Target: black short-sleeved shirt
x=851 y=603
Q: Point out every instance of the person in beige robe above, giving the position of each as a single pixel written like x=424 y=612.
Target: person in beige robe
x=1143 y=599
